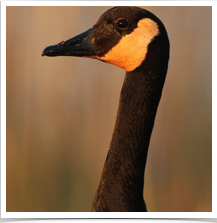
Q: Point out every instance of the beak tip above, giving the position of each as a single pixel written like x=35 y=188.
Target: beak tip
x=46 y=51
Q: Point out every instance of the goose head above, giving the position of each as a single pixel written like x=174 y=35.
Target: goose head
x=121 y=37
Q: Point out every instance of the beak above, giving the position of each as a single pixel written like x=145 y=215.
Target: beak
x=81 y=45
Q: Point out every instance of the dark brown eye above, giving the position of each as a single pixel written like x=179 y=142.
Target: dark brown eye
x=122 y=23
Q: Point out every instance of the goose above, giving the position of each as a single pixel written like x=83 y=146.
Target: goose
x=136 y=40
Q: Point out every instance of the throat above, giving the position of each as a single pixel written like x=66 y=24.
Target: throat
x=122 y=180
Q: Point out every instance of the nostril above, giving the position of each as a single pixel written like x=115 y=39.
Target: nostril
x=76 y=42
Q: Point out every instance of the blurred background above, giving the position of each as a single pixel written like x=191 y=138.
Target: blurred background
x=61 y=113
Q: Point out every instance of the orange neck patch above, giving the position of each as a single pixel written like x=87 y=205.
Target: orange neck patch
x=132 y=49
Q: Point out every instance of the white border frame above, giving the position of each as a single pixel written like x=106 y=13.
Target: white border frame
x=156 y=215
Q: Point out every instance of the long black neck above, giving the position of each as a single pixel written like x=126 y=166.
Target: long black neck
x=122 y=180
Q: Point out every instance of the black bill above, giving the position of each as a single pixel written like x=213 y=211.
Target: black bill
x=81 y=45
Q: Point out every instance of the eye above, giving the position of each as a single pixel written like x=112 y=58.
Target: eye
x=122 y=23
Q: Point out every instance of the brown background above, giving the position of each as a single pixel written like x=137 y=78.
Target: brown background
x=61 y=113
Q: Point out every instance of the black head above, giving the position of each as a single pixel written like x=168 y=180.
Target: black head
x=121 y=37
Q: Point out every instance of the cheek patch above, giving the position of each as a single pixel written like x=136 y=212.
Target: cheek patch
x=132 y=49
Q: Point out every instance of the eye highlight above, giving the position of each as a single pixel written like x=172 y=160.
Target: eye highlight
x=122 y=23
